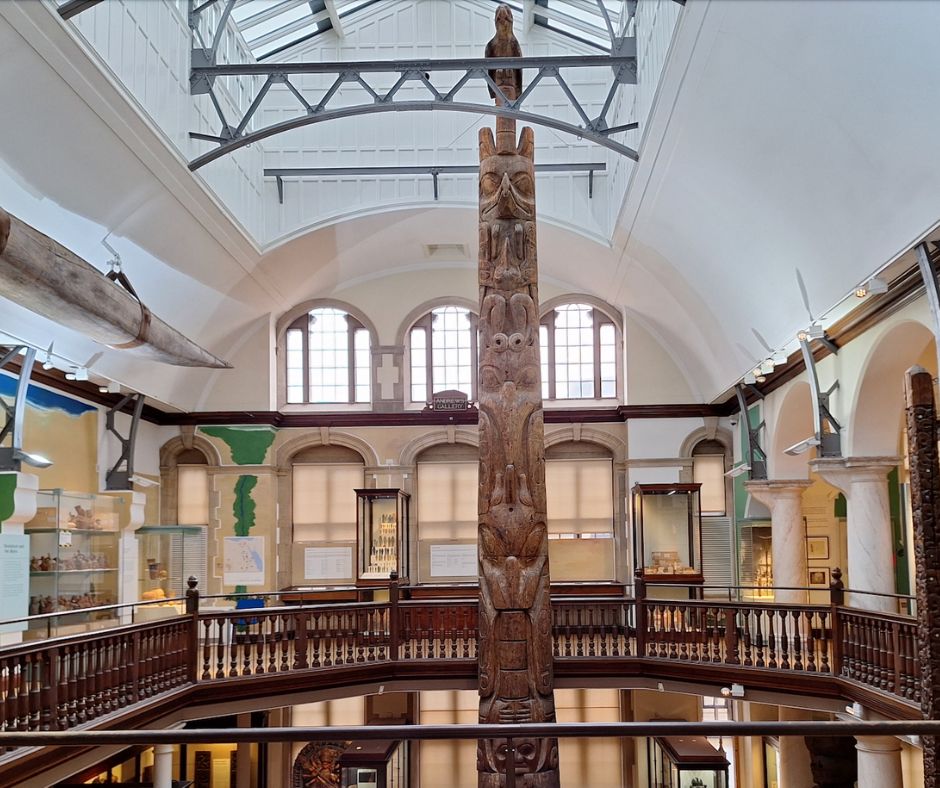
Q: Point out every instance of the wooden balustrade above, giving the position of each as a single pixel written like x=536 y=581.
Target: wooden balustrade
x=71 y=681
x=880 y=651
x=61 y=683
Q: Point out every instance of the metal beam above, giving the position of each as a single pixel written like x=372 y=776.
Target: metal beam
x=75 y=7
x=932 y=290
x=434 y=170
x=528 y=14
x=756 y=456
x=11 y=456
x=827 y=428
x=233 y=136
x=228 y=146
x=119 y=477
x=403 y=66
x=334 y=17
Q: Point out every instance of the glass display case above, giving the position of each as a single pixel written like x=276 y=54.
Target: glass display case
x=667 y=532
x=73 y=548
x=374 y=764
x=686 y=762
x=382 y=519
x=167 y=556
x=756 y=567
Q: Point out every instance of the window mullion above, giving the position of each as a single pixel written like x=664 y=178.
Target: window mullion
x=429 y=357
x=305 y=348
x=551 y=355
x=351 y=360
x=597 y=353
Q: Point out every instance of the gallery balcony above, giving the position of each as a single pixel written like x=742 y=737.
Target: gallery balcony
x=132 y=675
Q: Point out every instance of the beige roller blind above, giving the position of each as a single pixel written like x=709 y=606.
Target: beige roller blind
x=324 y=502
x=447 y=500
x=580 y=496
x=192 y=495
x=709 y=471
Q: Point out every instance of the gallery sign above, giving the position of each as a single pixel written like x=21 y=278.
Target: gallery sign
x=451 y=399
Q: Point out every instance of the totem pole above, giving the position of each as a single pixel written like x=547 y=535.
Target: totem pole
x=515 y=646
x=925 y=505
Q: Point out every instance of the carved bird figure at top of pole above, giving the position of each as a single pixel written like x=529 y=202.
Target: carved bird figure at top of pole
x=505 y=44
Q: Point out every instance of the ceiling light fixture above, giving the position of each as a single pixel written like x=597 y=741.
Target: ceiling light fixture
x=738 y=470
x=767 y=366
x=877 y=286
x=47 y=364
x=861 y=292
x=31 y=458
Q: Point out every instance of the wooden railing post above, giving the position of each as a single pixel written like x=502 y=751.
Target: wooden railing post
x=639 y=595
x=394 y=619
x=192 y=608
x=836 y=601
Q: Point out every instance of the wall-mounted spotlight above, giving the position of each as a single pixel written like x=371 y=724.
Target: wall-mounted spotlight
x=143 y=481
x=767 y=366
x=802 y=447
x=77 y=373
x=738 y=470
x=47 y=363
x=815 y=331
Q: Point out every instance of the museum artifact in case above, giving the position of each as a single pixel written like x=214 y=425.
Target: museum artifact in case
x=686 y=762
x=374 y=764
x=168 y=555
x=382 y=519
x=667 y=533
x=73 y=548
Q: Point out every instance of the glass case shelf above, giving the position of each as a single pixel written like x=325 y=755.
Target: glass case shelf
x=73 y=548
x=667 y=532
x=167 y=556
x=382 y=516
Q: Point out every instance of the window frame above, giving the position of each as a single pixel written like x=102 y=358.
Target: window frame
x=353 y=326
x=599 y=318
x=425 y=322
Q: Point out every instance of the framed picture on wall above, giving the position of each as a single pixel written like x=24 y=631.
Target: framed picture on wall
x=819 y=577
x=817 y=547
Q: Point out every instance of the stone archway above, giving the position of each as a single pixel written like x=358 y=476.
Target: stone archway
x=876 y=419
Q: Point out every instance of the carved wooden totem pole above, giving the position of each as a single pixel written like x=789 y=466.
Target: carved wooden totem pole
x=515 y=652
x=925 y=505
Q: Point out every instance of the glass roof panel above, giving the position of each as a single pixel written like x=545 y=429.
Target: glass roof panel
x=270 y=26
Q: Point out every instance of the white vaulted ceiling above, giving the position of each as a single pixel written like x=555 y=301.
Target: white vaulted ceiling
x=783 y=136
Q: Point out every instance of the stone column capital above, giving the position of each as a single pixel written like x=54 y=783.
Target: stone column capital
x=769 y=491
x=885 y=745
x=842 y=472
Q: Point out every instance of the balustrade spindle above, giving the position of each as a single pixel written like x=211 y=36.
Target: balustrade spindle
x=797 y=641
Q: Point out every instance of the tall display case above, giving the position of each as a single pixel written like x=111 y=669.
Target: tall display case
x=686 y=762
x=168 y=555
x=667 y=533
x=382 y=520
x=73 y=546
x=374 y=764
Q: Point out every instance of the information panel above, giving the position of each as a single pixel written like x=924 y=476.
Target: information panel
x=453 y=560
x=328 y=563
x=14 y=579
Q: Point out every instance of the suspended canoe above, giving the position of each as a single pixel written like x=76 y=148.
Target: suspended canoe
x=42 y=275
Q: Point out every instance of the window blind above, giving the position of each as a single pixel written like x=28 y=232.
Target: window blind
x=192 y=495
x=580 y=496
x=324 y=504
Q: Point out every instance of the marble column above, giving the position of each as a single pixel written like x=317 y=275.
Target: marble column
x=163 y=766
x=879 y=762
x=864 y=482
x=784 y=499
x=795 y=766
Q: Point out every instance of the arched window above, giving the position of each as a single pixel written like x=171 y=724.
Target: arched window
x=579 y=353
x=708 y=469
x=443 y=347
x=328 y=358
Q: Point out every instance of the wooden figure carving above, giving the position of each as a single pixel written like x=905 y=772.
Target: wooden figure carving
x=515 y=654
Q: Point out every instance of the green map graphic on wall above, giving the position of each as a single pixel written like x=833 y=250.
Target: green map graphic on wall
x=7 y=491
x=244 y=510
x=248 y=445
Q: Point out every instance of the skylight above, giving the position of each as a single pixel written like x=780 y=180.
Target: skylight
x=271 y=26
